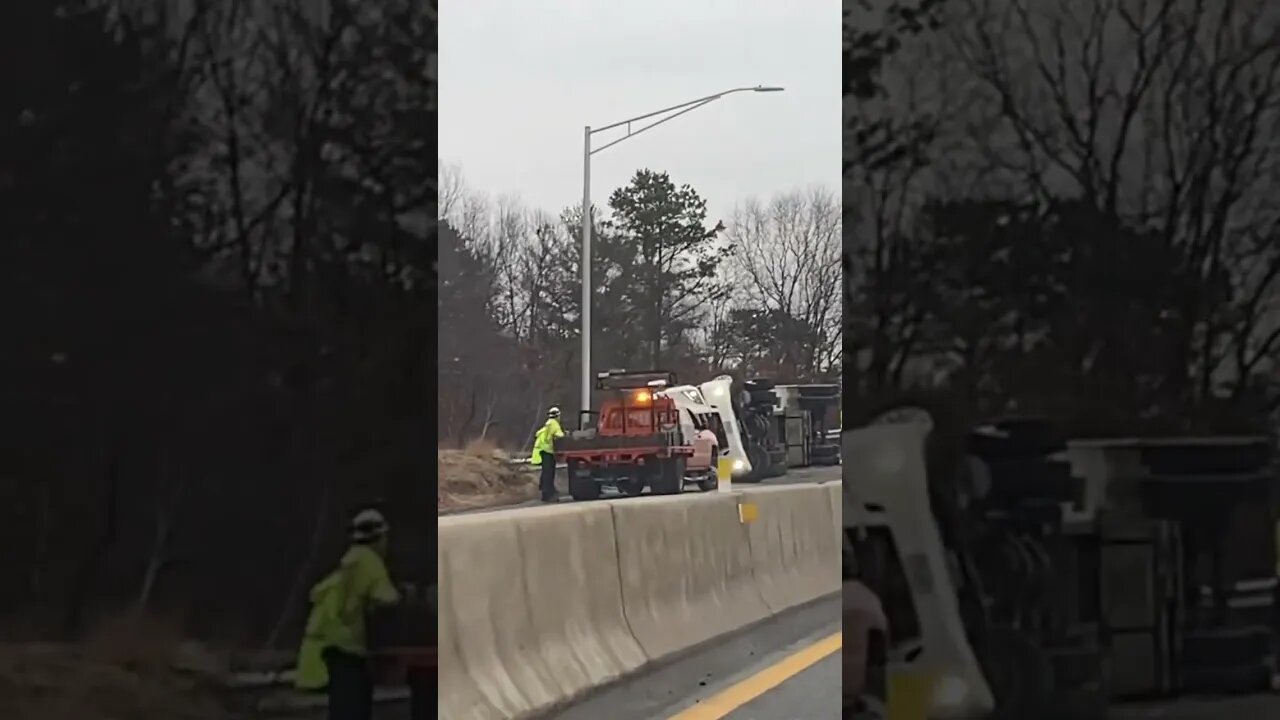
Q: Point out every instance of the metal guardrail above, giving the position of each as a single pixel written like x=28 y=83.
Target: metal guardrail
x=529 y=462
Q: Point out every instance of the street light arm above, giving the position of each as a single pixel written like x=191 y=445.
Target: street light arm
x=697 y=104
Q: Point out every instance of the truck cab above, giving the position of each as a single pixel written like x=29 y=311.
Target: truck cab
x=700 y=422
x=891 y=529
x=747 y=414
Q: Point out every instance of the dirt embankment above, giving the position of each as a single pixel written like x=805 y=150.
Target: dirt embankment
x=129 y=671
x=479 y=476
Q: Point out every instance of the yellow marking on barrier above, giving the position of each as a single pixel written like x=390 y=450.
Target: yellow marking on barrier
x=726 y=701
x=748 y=512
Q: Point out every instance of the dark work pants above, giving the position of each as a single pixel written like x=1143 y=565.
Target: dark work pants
x=547 y=481
x=350 y=686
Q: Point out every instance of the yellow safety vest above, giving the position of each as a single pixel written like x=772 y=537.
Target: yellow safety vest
x=544 y=440
x=339 y=606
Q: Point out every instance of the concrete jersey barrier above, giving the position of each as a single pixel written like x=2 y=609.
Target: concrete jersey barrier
x=571 y=575
x=539 y=606
x=479 y=572
x=795 y=555
x=686 y=570
x=531 y=608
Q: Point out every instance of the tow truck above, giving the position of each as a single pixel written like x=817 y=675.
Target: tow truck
x=640 y=438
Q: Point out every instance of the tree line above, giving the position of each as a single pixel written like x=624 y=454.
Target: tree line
x=218 y=266
x=1066 y=209
x=756 y=294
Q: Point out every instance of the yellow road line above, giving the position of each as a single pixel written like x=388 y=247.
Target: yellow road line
x=726 y=701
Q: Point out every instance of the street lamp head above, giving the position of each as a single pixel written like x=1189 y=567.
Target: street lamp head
x=767 y=88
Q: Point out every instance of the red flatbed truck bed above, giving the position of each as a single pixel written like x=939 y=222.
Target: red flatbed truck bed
x=610 y=450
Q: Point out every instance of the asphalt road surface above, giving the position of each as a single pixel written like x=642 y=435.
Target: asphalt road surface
x=795 y=475
x=788 y=668
x=785 y=668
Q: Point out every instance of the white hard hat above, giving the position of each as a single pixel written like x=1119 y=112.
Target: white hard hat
x=367 y=525
x=553 y=412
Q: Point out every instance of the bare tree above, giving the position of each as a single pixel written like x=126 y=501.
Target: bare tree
x=1160 y=114
x=787 y=254
x=452 y=188
x=898 y=135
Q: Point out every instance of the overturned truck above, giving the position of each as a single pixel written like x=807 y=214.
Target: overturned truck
x=1025 y=575
x=746 y=412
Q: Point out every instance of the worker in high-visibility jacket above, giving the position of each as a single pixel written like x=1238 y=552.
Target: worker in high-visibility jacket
x=544 y=454
x=335 y=653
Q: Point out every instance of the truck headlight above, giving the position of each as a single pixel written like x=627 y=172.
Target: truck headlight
x=739 y=465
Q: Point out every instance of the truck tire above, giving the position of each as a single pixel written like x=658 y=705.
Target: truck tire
x=582 y=486
x=711 y=480
x=1020 y=674
x=670 y=477
x=759 y=460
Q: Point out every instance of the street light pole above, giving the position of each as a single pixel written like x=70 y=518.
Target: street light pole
x=585 y=401
x=587 y=152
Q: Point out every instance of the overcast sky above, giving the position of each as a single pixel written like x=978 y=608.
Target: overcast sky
x=519 y=80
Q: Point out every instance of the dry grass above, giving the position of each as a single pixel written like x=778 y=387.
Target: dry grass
x=480 y=475
x=124 y=672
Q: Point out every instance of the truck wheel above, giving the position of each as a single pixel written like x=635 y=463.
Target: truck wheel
x=670 y=479
x=582 y=486
x=759 y=464
x=1020 y=674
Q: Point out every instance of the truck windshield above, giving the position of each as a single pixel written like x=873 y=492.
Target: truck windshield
x=638 y=419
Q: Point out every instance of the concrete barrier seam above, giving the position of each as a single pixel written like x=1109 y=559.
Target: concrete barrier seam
x=522 y=543
x=617 y=564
